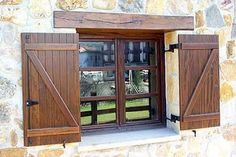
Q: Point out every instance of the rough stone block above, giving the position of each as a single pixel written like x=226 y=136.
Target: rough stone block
x=179 y=7
x=231 y=49
x=40 y=9
x=7 y=88
x=229 y=133
x=13 y=152
x=213 y=17
x=5 y=113
x=51 y=153
x=71 y=4
x=9 y=32
x=14 y=138
x=104 y=4
x=226 y=92
x=10 y=2
x=228 y=19
x=228 y=70
x=135 y=6
x=200 y=18
x=155 y=7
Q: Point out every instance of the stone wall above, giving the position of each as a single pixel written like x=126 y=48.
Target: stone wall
x=211 y=17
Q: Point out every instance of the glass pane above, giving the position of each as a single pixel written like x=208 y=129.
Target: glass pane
x=85 y=120
x=98 y=112
x=97 y=54
x=139 y=109
x=140 y=53
x=137 y=113
x=140 y=81
x=97 y=83
x=107 y=118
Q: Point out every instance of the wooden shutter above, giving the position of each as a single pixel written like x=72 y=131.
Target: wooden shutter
x=199 y=81
x=51 y=88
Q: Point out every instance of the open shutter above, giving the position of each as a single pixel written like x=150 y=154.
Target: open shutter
x=199 y=81
x=50 y=88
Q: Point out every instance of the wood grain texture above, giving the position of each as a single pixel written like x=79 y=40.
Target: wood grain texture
x=119 y=21
x=53 y=90
x=199 y=46
x=199 y=81
x=52 y=131
x=52 y=75
x=51 y=46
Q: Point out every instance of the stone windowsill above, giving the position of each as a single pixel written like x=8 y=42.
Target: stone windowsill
x=123 y=139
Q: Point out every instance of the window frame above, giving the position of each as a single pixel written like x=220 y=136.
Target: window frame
x=119 y=40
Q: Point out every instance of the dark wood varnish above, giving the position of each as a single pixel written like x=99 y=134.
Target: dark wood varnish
x=117 y=22
x=199 y=81
x=50 y=76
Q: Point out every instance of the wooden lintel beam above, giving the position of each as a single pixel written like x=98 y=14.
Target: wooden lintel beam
x=121 y=21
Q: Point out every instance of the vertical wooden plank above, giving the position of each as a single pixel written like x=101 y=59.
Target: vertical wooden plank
x=25 y=86
x=50 y=106
x=72 y=85
x=63 y=70
x=42 y=87
x=57 y=116
x=34 y=95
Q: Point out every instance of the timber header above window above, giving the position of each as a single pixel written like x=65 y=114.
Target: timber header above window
x=119 y=21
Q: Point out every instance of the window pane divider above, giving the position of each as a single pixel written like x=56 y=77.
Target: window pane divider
x=146 y=67
x=97 y=98
x=137 y=108
x=99 y=112
x=143 y=95
x=108 y=68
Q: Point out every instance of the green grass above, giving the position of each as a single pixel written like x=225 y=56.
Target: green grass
x=111 y=116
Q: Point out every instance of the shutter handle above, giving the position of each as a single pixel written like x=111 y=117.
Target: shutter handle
x=30 y=103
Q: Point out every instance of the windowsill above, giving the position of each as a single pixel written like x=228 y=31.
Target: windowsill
x=130 y=138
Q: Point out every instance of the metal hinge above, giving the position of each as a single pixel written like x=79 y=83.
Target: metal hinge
x=30 y=103
x=172 y=47
x=173 y=118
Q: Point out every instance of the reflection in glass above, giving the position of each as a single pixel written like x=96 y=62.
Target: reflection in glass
x=139 y=114
x=97 y=83
x=140 y=81
x=139 y=53
x=90 y=112
x=97 y=54
x=142 y=108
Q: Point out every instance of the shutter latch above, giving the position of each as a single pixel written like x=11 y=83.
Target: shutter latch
x=172 y=47
x=30 y=103
x=173 y=118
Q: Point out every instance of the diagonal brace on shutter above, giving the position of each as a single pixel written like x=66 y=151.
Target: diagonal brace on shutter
x=51 y=87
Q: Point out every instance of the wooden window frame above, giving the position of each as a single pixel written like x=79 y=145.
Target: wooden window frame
x=119 y=98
